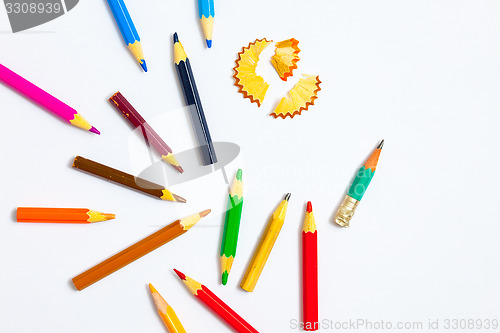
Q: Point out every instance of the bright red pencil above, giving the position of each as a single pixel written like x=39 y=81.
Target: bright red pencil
x=222 y=309
x=310 y=271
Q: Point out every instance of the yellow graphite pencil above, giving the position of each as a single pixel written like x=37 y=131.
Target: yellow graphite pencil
x=166 y=312
x=266 y=244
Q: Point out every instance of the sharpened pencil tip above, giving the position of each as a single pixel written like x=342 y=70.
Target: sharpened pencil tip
x=287 y=196
x=309 y=207
x=381 y=144
x=94 y=130
x=209 y=43
x=225 y=275
x=178 y=168
x=108 y=216
x=143 y=65
x=178 y=198
x=239 y=174
x=152 y=289
x=205 y=212
x=176 y=38
x=180 y=274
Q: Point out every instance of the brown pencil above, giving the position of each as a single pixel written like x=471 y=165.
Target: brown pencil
x=136 y=251
x=126 y=179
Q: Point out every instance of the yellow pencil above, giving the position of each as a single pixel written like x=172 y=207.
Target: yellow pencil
x=166 y=312
x=266 y=244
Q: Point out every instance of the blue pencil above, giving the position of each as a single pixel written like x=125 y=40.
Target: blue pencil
x=127 y=28
x=207 y=14
x=193 y=101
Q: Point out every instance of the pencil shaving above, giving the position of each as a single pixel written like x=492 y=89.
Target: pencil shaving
x=285 y=58
x=251 y=85
x=303 y=94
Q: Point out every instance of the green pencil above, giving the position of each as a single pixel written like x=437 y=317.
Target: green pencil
x=231 y=226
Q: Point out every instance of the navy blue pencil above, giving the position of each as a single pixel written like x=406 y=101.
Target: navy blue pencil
x=193 y=102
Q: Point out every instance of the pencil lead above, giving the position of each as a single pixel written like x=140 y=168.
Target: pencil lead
x=287 y=196
x=178 y=168
x=94 y=130
x=205 y=212
x=176 y=38
x=180 y=275
x=178 y=198
x=143 y=65
x=225 y=275
x=108 y=216
x=209 y=43
x=309 y=207
x=381 y=144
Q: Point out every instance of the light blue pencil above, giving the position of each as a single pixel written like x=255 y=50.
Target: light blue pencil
x=207 y=14
x=127 y=28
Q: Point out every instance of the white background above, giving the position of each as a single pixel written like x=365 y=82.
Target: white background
x=423 y=75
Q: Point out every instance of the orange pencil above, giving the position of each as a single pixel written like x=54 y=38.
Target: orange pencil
x=166 y=312
x=136 y=251
x=61 y=215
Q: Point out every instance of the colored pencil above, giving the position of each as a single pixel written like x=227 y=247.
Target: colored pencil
x=207 y=13
x=231 y=226
x=192 y=99
x=128 y=31
x=44 y=99
x=126 y=179
x=358 y=188
x=166 y=312
x=216 y=304
x=151 y=137
x=265 y=246
x=136 y=251
x=310 y=272
x=61 y=215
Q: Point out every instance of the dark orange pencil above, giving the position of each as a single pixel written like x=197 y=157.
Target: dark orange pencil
x=310 y=272
x=61 y=215
x=137 y=250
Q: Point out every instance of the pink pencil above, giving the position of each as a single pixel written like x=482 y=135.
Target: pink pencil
x=45 y=99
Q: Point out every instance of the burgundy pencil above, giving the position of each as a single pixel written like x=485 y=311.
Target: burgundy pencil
x=216 y=304
x=151 y=137
x=310 y=271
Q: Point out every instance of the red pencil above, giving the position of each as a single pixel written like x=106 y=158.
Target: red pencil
x=310 y=271
x=222 y=309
